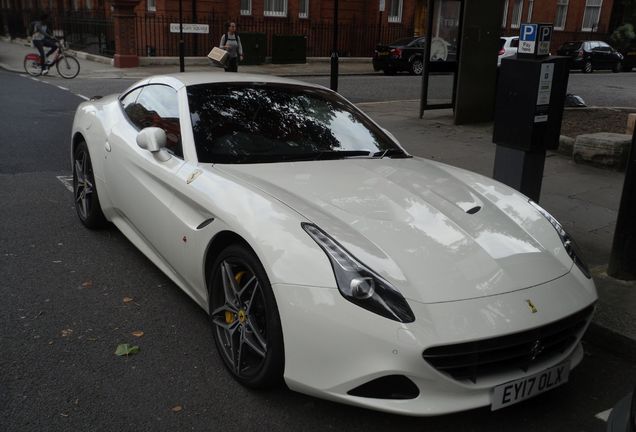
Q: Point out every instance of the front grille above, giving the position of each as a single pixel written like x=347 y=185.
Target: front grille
x=473 y=360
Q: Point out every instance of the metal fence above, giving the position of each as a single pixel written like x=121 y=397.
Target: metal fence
x=93 y=32
x=354 y=40
x=86 y=31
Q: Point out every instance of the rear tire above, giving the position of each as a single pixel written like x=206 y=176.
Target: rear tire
x=417 y=66
x=32 y=67
x=87 y=205
x=68 y=67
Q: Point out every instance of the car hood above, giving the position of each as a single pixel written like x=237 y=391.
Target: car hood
x=435 y=232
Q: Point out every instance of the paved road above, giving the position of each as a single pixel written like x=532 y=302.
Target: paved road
x=597 y=89
x=63 y=313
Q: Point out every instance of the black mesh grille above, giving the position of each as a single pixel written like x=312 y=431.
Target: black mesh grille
x=472 y=360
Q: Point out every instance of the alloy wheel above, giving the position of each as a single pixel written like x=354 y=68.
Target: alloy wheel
x=240 y=317
x=417 y=67
x=83 y=184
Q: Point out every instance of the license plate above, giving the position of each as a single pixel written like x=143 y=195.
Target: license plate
x=516 y=391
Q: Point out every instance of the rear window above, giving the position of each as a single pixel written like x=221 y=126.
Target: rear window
x=514 y=43
x=571 y=46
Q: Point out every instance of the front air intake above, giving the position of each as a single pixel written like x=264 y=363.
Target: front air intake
x=388 y=387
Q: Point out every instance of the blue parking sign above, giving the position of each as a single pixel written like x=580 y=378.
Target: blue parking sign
x=527 y=38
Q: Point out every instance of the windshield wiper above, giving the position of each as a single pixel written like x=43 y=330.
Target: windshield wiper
x=392 y=152
x=334 y=154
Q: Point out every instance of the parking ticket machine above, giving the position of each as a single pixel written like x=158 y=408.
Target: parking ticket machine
x=529 y=107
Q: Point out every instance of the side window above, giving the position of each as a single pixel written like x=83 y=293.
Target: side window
x=157 y=106
x=128 y=100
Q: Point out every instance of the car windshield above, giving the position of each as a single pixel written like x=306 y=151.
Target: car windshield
x=259 y=123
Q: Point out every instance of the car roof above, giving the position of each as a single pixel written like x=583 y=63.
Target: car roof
x=179 y=80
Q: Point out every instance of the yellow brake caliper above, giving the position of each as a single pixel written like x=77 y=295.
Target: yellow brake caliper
x=229 y=316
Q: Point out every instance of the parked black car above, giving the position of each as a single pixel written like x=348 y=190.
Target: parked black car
x=407 y=55
x=591 y=55
x=402 y=55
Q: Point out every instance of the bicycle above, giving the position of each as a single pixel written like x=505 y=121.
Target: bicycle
x=67 y=66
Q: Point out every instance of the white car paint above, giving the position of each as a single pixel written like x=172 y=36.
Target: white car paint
x=510 y=45
x=467 y=277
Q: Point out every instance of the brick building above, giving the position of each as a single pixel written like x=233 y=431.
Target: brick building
x=572 y=19
x=361 y=23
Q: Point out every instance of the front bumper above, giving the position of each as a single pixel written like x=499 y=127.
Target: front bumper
x=333 y=346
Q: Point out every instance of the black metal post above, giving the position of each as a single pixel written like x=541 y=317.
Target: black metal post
x=181 y=44
x=622 y=264
x=334 y=52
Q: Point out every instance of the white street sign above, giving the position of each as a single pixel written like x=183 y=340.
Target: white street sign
x=190 y=28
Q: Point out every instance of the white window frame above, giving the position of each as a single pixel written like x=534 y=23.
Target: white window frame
x=395 y=16
x=151 y=5
x=561 y=5
x=505 y=15
x=530 y=10
x=303 y=4
x=248 y=9
x=274 y=13
x=588 y=6
x=517 y=10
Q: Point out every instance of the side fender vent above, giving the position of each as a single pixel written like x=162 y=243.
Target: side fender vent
x=473 y=210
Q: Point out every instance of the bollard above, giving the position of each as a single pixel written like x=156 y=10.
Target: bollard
x=622 y=264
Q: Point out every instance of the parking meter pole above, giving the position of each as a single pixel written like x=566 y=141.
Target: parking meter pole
x=334 y=52
x=181 y=46
x=622 y=264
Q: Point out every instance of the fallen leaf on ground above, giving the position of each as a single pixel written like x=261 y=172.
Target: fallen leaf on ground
x=67 y=332
x=125 y=349
x=128 y=299
x=137 y=333
x=87 y=284
x=177 y=408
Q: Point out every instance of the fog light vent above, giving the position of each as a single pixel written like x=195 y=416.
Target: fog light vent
x=387 y=387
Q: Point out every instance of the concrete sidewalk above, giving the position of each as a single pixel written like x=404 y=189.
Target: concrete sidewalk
x=585 y=199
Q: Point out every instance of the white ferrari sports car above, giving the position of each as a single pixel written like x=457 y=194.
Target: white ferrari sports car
x=327 y=257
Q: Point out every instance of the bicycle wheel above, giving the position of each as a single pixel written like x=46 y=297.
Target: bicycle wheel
x=68 y=67
x=32 y=64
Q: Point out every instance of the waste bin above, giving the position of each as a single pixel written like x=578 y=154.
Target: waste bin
x=254 y=47
x=288 y=49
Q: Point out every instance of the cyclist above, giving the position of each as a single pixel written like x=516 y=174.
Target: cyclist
x=43 y=38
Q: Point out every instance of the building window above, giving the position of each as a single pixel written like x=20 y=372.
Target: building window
x=246 y=7
x=303 y=9
x=152 y=5
x=75 y=5
x=591 y=15
x=395 y=11
x=505 y=15
x=277 y=8
x=516 y=14
x=530 y=7
x=561 y=14
x=88 y=4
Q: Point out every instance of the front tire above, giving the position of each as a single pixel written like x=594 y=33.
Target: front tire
x=617 y=67
x=85 y=196
x=244 y=318
x=68 y=67
x=587 y=67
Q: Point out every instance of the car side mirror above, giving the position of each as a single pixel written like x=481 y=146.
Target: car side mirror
x=154 y=140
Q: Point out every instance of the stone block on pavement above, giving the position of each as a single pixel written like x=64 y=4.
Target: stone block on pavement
x=603 y=149
x=566 y=145
x=631 y=122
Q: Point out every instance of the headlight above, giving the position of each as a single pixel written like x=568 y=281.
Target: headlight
x=568 y=242
x=358 y=284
